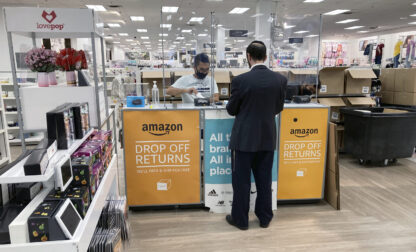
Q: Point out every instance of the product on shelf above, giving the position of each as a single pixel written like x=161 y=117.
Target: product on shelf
x=8 y=213
x=37 y=162
x=88 y=151
x=81 y=119
x=60 y=124
x=25 y=192
x=63 y=173
x=80 y=197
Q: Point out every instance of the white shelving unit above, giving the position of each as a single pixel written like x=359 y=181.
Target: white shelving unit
x=5 y=156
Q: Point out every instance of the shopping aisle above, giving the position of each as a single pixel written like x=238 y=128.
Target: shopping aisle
x=377 y=215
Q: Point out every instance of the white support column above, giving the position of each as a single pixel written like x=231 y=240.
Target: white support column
x=263 y=26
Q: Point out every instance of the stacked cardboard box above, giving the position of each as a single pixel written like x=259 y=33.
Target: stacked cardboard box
x=358 y=81
x=405 y=87
x=332 y=80
x=387 y=78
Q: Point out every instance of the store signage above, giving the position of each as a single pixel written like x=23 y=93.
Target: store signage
x=302 y=150
x=238 y=33
x=28 y=19
x=295 y=40
x=162 y=157
x=217 y=164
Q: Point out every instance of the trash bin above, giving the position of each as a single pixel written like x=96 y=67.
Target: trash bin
x=379 y=134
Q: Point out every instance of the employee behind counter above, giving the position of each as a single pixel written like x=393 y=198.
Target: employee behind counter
x=197 y=84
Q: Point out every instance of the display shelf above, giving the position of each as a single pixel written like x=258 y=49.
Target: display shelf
x=3 y=161
x=85 y=231
x=17 y=174
x=13 y=128
x=28 y=140
x=20 y=84
x=11 y=113
x=9 y=98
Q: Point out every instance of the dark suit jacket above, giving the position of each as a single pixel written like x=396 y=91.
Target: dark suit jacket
x=256 y=98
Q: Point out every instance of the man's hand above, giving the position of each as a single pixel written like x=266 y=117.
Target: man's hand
x=191 y=91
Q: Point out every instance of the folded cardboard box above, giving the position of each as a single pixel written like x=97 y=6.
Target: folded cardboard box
x=400 y=79
x=332 y=80
x=410 y=81
x=358 y=81
x=359 y=101
x=335 y=104
x=387 y=78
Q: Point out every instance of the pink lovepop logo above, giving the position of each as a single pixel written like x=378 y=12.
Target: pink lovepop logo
x=49 y=17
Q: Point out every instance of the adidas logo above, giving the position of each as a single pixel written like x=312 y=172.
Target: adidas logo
x=213 y=193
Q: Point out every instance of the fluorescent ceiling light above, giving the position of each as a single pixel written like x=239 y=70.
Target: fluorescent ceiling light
x=163 y=34
x=354 y=27
x=113 y=25
x=220 y=25
x=114 y=12
x=170 y=9
x=241 y=40
x=133 y=44
x=413 y=15
x=196 y=19
x=202 y=35
x=166 y=26
x=129 y=40
x=176 y=42
x=238 y=10
x=312 y=36
x=363 y=31
x=162 y=40
x=136 y=18
x=108 y=37
x=123 y=34
x=286 y=26
x=116 y=42
x=96 y=7
x=335 y=12
x=180 y=38
x=413 y=3
x=346 y=21
x=141 y=30
x=186 y=31
x=257 y=15
x=146 y=42
x=144 y=37
x=313 y=1
x=188 y=44
x=300 y=32
x=100 y=25
x=412 y=23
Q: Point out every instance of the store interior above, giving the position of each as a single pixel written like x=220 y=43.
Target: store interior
x=354 y=59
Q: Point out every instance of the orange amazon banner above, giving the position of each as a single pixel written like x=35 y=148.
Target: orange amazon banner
x=162 y=157
x=302 y=153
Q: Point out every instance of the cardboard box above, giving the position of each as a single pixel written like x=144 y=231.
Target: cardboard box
x=387 y=97
x=332 y=80
x=387 y=78
x=332 y=185
x=222 y=77
x=282 y=72
x=358 y=81
x=404 y=98
x=359 y=101
x=335 y=104
x=237 y=72
x=400 y=80
x=303 y=76
x=410 y=81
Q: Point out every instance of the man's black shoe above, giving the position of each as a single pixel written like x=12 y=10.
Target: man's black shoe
x=264 y=225
x=230 y=221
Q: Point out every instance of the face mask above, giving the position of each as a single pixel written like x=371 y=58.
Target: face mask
x=200 y=75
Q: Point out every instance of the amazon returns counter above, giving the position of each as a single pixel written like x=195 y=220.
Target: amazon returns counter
x=169 y=162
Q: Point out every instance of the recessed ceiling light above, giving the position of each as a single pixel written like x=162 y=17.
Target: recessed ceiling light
x=186 y=31
x=133 y=44
x=413 y=3
x=146 y=42
x=113 y=25
x=144 y=37
x=413 y=15
x=136 y=18
x=96 y=7
x=129 y=40
x=170 y=9
x=116 y=42
x=241 y=40
x=180 y=38
x=162 y=40
x=362 y=31
x=238 y=10
x=313 y=1
x=123 y=34
x=108 y=37
x=403 y=18
x=141 y=30
x=412 y=23
x=354 y=27
x=336 y=12
x=196 y=19
x=188 y=44
x=114 y=13
x=176 y=42
x=346 y=21
x=163 y=34
x=219 y=25
x=166 y=26
x=286 y=26
x=257 y=15
x=202 y=35
x=300 y=32
x=312 y=36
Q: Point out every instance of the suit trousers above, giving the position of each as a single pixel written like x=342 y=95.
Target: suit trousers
x=261 y=164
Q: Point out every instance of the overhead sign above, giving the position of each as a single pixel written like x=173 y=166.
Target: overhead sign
x=217 y=164
x=295 y=40
x=29 y=19
x=302 y=153
x=238 y=33
x=162 y=157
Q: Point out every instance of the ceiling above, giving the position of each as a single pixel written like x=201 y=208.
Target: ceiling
x=375 y=15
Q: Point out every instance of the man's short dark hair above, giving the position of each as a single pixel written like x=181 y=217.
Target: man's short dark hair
x=202 y=57
x=257 y=50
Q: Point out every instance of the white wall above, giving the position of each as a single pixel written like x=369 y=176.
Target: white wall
x=118 y=53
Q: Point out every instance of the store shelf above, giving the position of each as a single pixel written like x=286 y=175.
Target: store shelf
x=29 y=140
x=17 y=174
x=3 y=161
x=20 y=84
x=2 y=131
x=11 y=113
x=13 y=128
x=9 y=98
x=85 y=231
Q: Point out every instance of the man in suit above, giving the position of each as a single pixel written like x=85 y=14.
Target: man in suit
x=256 y=98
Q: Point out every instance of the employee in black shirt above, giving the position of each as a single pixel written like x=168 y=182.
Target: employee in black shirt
x=256 y=98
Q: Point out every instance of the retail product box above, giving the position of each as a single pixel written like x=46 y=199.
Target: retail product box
x=222 y=77
x=37 y=162
x=302 y=76
x=135 y=101
x=358 y=81
x=410 y=81
x=332 y=80
x=224 y=90
x=80 y=197
x=332 y=185
x=25 y=192
x=42 y=224
x=335 y=104
x=81 y=119
x=400 y=80
x=387 y=78
x=359 y=101
x=60 y=124
x=404 y=98
x=387 y=97
x=82 y=170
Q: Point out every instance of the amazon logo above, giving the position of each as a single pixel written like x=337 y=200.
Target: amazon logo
x=304 y=132
x=161 y=129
